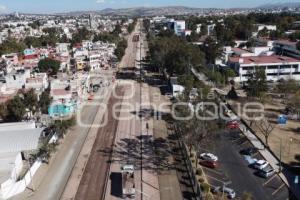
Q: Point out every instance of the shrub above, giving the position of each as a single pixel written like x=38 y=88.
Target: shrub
x=201 y=180
x=205 y=187
x=247 y=196
x=199 y=172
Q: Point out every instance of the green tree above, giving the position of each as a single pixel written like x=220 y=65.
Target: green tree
x=81 y=34
x=105 y=37
x=120 y=50
x=211 y=49
x=294 y=101
x=3 y=111
x=15 y=109
x=117 y=30
x=289 y=86
x=45 y=101
x=11 y=46
x=49 y=66
x=131 y=26
x=31 y=101
x=257 y=83
x=146 y=23
x=35 y=24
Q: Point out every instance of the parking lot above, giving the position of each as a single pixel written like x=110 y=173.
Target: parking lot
x=234 y=171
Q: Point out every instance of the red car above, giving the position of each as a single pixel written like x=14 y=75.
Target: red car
x=233 y=125
x=91 y=97
x=209 y=163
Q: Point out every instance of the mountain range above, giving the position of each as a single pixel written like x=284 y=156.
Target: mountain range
x=175 y=10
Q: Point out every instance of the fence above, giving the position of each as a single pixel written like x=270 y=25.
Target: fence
x=188 y=163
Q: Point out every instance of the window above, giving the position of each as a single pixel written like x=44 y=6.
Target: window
x=247 y=68
x=273 y=67
x=285 y=66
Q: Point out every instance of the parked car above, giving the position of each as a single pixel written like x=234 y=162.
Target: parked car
x=91 y=97
x=169 y=95
x=230 y=192
x=233 y=125
x=209 y=163
x=208 y=156
x=266 y=172
x=249 y=151
x=260 y=164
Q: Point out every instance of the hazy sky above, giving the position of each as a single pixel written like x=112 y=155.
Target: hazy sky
x=50 y=6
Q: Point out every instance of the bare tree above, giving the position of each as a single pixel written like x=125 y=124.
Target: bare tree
x=265 y=128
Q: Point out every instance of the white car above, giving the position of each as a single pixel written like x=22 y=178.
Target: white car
x=260 y=164
x=230 y=192
x=208 y=156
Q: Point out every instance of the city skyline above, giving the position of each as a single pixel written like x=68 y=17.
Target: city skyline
x=56 y=6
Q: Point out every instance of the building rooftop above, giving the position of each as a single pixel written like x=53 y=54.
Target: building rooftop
x=239 y=50
x=263 y=59
x=286 y=42
x=19 y=140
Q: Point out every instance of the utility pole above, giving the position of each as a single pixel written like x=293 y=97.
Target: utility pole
x=141 y=120
x=280 y=159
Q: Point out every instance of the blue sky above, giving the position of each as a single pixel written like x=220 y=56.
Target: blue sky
x=52 y=6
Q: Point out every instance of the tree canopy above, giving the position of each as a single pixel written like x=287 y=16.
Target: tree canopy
x=11 y=46
x=174 y=54
x=257 y=83
x=49 y=66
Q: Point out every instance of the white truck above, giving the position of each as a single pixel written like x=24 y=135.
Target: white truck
x=128 y=186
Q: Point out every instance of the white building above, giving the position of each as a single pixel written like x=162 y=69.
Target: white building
x=63 y=49
x=17 y=79
x=210 y=28
x=179 y=27
x=261 y=27
x=38 y=81
x=198 y=29
x=276 y=67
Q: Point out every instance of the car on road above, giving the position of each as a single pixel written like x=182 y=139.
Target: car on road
x=209 y=163
x=266 y=172
x=249 y=151
x=208 y=156
x=230 y=192
x=260 y=164
x=233 y=125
